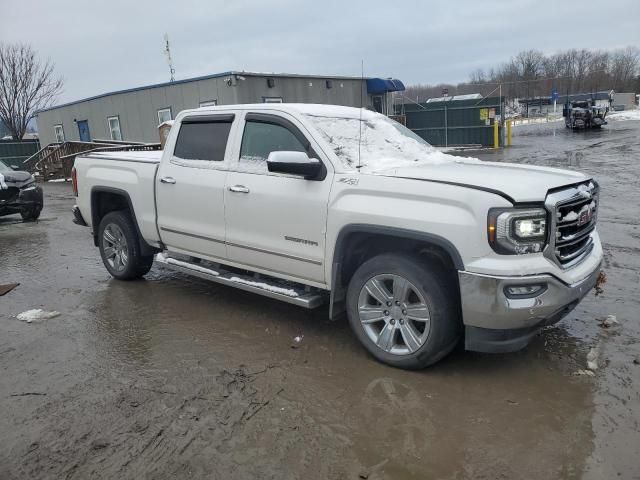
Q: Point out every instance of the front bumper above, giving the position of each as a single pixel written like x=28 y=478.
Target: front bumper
x=30 y=197
x=496 y=323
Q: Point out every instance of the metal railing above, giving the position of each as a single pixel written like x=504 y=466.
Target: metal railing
x=56 y=159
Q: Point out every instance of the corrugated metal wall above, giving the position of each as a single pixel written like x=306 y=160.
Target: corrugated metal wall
x=460 y=122
x=138 y=110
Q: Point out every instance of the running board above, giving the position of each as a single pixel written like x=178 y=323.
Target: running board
x=289 y=292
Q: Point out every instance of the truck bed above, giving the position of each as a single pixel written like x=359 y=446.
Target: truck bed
x=152 y=156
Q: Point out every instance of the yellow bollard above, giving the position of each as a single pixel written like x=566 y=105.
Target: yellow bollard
x=496 y=138
x=508 y=133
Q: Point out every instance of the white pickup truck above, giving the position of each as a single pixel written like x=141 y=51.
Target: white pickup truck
x=313 y=204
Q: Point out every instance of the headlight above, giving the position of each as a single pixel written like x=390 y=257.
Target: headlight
x=517 y=231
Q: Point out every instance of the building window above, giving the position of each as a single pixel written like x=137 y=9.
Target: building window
x=59 y=132
x=209 y=103
x=271 y=99
x=164 y=115
x=114 y=128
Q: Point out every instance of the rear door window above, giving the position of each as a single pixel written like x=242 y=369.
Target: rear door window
x=203 y=139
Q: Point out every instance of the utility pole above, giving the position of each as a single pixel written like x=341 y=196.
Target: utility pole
x=167 y=52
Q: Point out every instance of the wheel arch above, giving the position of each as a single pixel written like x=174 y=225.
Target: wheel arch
x=109 y=199
x=356 y=243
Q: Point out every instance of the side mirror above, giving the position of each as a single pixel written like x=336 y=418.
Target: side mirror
x=15 y=167
x=294 y=163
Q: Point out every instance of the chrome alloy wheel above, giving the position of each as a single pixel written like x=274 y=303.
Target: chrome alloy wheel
x=394 y=314
x=115 y=247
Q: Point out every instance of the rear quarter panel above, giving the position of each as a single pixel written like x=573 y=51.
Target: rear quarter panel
x=135 y=178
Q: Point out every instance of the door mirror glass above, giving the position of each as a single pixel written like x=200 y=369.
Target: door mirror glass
x=294 y=163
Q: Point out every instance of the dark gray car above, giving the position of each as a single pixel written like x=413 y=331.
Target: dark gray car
x=19 y=193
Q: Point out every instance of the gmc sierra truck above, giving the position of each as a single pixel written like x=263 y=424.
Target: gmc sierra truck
x=314 y=204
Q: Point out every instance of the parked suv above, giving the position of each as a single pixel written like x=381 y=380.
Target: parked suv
x=314 y=204
x=19 y=193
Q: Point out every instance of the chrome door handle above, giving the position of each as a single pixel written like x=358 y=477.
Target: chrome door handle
x=239 y=189
x=170 y=180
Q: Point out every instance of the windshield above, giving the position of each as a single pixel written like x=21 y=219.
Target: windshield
x=385 y=143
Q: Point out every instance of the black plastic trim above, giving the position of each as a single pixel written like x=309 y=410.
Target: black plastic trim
x=219 y=118
x=465 y=185
x=77 y=217
x=338 y=254
x=145 y=248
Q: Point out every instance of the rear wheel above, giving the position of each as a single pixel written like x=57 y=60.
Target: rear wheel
x=120 y=247
x=403 y=310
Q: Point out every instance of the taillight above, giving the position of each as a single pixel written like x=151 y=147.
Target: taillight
x=74 y=181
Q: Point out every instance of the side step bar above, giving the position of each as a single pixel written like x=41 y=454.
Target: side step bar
x=269 y=287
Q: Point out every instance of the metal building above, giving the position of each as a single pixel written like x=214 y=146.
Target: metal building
x=134 y=114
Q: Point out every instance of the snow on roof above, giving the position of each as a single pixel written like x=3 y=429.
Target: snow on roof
x=468 y=96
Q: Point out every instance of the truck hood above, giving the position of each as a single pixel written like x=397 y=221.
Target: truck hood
x=519 y=183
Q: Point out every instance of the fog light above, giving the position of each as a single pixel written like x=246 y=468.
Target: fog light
x=524 y=291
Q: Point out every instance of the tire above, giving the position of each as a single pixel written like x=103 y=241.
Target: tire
x=31 y=214
x=120 y=247
x=417 y=342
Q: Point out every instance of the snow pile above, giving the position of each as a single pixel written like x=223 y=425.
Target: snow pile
x=265 y=286
x=624 y=115
x=385 y=144
x=162 y=258
x=36 y=314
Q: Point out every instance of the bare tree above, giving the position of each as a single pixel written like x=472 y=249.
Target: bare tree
x=26 y=86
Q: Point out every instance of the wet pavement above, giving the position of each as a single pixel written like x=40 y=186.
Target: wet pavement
x=174 y=377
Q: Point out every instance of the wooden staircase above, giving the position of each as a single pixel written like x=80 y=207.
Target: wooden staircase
x=56 y=159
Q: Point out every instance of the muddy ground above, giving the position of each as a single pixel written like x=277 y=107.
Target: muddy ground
x=173 y=377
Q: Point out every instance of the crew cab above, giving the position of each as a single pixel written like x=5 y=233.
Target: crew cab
x=315 y=204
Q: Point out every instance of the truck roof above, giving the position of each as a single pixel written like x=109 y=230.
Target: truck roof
x=304 y=108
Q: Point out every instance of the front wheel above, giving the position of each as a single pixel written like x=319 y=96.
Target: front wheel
x=30 y=214
x=404 y=310
x=120 y=247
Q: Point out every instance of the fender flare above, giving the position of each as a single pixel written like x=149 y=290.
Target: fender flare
x=145 y=248
x=337 y=289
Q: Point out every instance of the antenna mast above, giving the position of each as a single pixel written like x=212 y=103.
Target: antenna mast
x=167 y=52
x=361 y=106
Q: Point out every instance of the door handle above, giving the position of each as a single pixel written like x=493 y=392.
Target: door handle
x=239 y=189
x=170 y=180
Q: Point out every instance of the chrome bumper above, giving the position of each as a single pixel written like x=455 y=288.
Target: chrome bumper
x=495 y=322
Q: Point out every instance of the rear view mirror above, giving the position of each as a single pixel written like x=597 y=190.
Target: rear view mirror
x=294 y=163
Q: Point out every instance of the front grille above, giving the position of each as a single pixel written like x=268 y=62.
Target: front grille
x=575 y=214
x=8 y=193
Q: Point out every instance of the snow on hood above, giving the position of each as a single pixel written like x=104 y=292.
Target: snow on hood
x=390 y=149
x=14 y=179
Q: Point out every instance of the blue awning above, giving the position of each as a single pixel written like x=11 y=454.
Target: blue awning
x=383 y=85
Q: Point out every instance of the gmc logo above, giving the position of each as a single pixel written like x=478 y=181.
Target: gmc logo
x=585 y=216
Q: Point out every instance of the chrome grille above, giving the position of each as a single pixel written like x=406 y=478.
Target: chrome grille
x=574 y=215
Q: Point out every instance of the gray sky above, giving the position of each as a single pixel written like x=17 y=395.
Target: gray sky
x=103 y=46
